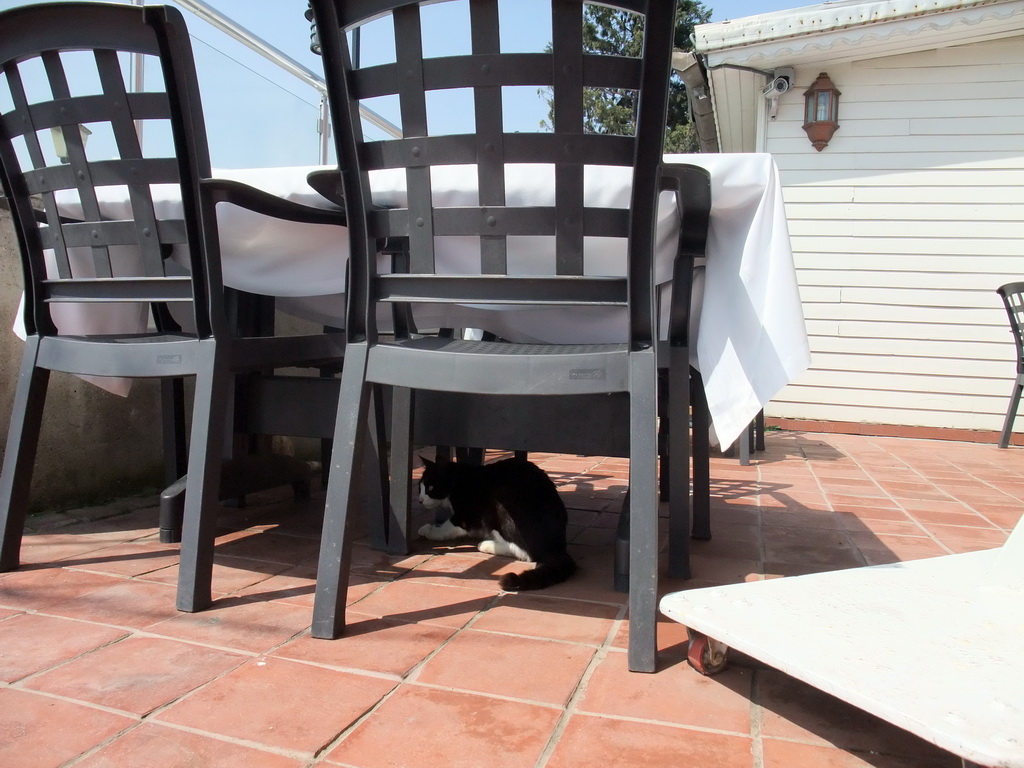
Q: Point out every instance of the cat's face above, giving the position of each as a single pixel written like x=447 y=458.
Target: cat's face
x=435 y=485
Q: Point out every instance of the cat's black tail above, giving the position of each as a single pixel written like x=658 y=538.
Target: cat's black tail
x=553 y=570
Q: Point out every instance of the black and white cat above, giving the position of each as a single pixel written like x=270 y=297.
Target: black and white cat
x=512 y=505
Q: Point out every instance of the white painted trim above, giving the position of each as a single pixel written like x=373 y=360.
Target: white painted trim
x=761 y=126
x=854 y=30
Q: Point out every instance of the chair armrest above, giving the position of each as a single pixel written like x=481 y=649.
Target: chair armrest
x=253 y=199
x=327 y=181
x=692 y=188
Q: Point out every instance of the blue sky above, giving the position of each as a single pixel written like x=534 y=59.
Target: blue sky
x=259 y=116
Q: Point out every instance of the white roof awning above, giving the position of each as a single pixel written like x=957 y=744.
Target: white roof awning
x=854 y=29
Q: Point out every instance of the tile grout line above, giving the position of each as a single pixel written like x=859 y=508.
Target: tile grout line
x=412 y=675
x=826 y=495
x=959 y=469
x=148 y=717
x=408 y=678
x=571 y=705
x=96 y=748
x=971 y=506
x=246 y=657
x=759 y=511
x=756 y=737
x=889 y=497
x=899 y=504
x=257 y=746
x=449 y=688
x=19 y=683
x=69 y=700
x=664 y=723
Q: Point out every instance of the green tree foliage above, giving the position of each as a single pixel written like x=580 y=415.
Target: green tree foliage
x=620 y=33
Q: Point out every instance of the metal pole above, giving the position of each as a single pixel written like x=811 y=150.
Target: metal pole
x=139 y=80
x=325 y=129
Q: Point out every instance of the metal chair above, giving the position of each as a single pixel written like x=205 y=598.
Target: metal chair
x=506 y=372
x=64 y=68
x=1012 y=295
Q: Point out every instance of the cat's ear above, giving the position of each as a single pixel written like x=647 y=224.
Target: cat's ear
x=426 y=462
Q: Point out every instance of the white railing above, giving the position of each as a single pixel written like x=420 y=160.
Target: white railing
x=279 y=58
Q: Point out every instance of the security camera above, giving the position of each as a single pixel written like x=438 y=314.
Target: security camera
x=776 y=87
x=782 y=81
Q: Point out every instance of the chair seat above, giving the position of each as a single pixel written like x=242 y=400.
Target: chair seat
x=500 y=368
x=152 y=354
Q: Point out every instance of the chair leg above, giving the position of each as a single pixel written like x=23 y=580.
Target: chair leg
x=375 y=471
x=20 y=455
x=326 y=445
x=474 y=456
x=400 y=519
x=643 y=519
x=679 y=521
x=326 y=449
x=172 y=410
x=664 y=431
x=620 y=569
x=342 y=495
x=202 y=490
x=1011 y=412
x=743 y=444
x=701 y=458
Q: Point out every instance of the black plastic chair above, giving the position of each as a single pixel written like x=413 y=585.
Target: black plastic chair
x=503 y=371
x=1012 y=295
x=73 y=252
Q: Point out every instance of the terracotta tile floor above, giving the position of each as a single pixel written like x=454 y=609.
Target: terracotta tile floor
x=439 y=667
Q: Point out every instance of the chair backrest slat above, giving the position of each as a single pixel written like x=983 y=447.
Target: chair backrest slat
x=75 y=147
x=412 y=102
x=489 y=131
x=14 y=124
x=129 y=148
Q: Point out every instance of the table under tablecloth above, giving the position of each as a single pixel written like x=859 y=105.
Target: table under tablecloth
x=750 y=335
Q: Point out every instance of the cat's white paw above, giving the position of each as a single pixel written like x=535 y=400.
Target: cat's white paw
x=445 y=531
x=495 y=544
x=488 y=547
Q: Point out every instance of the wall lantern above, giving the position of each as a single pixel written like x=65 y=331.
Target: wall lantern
x=821 y=111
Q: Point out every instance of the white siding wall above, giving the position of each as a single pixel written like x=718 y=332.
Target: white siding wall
x=902 y=229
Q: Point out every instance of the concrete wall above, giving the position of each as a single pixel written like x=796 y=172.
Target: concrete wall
x=94 y=445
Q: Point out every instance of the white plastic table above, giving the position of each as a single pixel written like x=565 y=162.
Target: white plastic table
x=934 y=646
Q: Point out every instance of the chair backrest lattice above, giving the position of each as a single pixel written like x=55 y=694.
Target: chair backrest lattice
x=1013 y=299
x=530 y=250
x=69 y=145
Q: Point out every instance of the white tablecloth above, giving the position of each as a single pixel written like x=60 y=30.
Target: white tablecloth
x=751 y=339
